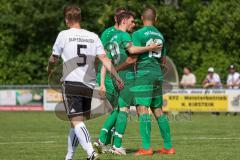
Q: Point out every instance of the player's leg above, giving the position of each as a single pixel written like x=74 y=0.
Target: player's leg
x=106 y=134
x=145 y=131
x=112 y=96
x=120 y=127
x=76 y=105
x=107 y=130
x=143 y=97
x=108 y=125
x=163 y=124
x=72 y=144
x=125 y=100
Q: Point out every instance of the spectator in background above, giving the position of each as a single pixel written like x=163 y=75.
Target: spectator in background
x=238 y=82
x=212 y=79
x=233 y=78
x=188 y=79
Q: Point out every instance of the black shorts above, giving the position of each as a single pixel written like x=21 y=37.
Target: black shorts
x=77 y=98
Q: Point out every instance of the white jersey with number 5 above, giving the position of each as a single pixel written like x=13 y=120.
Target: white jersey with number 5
x=78 y=49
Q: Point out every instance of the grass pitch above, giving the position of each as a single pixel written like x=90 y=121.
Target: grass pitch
x=42 y=136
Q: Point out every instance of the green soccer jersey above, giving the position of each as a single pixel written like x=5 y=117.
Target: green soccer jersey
x=147 y=36
x=148 y=82
x=117 y=51
x=105 y=38
x=111 y=92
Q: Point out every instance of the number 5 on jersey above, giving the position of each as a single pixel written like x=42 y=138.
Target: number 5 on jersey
x=83 y=57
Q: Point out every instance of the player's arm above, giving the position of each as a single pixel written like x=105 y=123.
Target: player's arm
x=101 y=54
x=102 y=88
x=129 y=61
x=57 y=51
x=53 y=59
x=138 y=50
x=103 y=75
x=109 y=66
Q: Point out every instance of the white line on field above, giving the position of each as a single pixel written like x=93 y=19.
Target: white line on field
x=186 y=138
x=212 y=138
x=42 y=142
x=26 y=137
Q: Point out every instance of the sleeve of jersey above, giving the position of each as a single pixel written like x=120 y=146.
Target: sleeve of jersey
x=99 y=47
x=126 y=40
x=58 y=45
x=136 y=39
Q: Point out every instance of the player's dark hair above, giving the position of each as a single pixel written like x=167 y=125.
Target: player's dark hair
x=124 y=15
x=149 y=14
x=119 y=11
x=72 y=13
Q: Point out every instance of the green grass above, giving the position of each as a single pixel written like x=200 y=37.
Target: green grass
x=42 y=136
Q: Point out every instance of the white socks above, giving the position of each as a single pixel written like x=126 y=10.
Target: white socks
x=84 y=138
x=72 y=144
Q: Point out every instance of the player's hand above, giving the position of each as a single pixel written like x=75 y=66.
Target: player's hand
x=120 y=83
x=102 y=91
x=155 y=47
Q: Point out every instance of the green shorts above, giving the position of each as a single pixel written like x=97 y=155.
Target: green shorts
x=126 y=96
x=111 y=90
x=148 y=89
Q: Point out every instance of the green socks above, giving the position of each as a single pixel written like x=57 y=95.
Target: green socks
x=145 y=130
x=120 y=128
x=165 y=131
x=109 y=136
x=106 y=133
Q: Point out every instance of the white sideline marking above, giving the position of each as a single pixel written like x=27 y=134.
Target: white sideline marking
x=212 y=138
x=25 y=137
x=186 y=138
x=42 y=142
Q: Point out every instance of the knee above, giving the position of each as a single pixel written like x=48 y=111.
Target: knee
x=158 y=112
x=76 y=120
x=142 y=110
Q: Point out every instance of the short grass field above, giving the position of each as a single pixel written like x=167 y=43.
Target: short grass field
x=42 y=136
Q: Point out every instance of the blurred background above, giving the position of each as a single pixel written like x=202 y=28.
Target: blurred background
x=201 y=75
x=199 y=33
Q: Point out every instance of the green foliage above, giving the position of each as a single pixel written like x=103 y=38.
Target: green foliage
x=198 y=34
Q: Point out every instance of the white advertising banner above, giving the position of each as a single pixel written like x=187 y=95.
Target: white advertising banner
x=8 y=98
x=233 y=100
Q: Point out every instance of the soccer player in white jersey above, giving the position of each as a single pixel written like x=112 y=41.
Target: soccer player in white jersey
x=78 y=48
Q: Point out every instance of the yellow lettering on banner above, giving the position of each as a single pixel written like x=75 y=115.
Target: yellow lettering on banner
x=197 y=102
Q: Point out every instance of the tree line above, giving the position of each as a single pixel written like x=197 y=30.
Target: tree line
x=199 y=34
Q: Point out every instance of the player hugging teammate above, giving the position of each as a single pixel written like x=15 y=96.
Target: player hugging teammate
x=137 y=60
x=143 y=82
